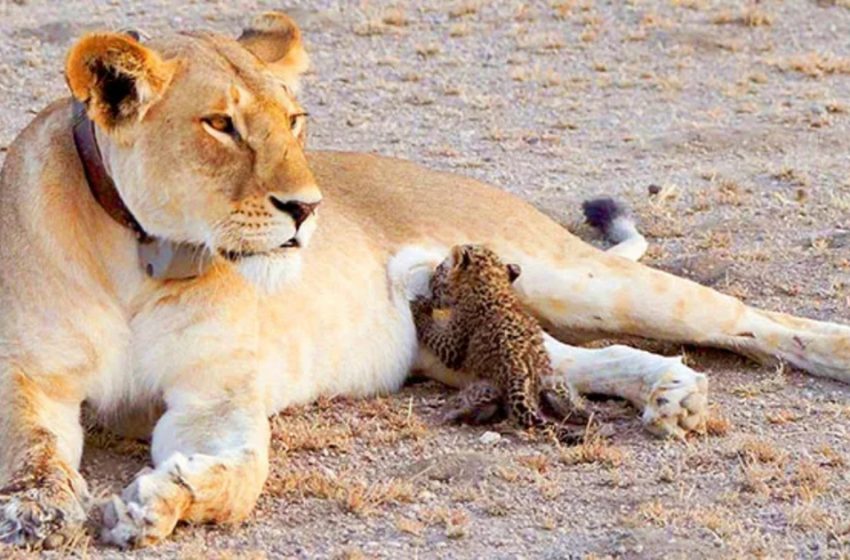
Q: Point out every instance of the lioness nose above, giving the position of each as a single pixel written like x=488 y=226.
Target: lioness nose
x=299 y=211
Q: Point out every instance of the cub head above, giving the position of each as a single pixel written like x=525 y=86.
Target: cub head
x=471 y=270
x=204 y=139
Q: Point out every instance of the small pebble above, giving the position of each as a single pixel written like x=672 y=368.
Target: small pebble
x=490 y=438
x=654 y=189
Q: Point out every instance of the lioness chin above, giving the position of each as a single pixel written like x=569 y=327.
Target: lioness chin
x=197 y=140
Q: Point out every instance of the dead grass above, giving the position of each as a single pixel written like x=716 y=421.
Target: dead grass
x=427 y=50
x=776 y=382
x=351 y=493
x=717 y=424
x=808 y=481
x=816 y=65
x=336 y=424
x=370 y=28
x=759 y=450
x=459 y=30
x=748 y=17
x=757 y=478
x=537 y=462
x=396 y=17
x=454 y=521
x=653 y=512
x=596 y=450
x=199 y=549
x=464 y=8
x=720 y=520
x=782 y=416
x=410 y=526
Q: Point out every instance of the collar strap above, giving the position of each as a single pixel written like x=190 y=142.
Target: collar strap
x=161 y=259
x=100 y=183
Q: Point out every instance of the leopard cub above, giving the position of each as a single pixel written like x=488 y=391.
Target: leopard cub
x=489 y=335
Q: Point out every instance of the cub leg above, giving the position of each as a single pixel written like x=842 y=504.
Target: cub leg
x=523 y=405
x=447 y=339
x=563 y=399
x=43 y=499
x=477 y=403
x=597 y=292
x=211 y=461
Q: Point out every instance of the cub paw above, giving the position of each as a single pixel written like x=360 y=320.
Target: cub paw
x=677 y=402
x=42 y=513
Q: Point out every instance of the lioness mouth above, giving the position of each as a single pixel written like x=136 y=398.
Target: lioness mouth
x=234 y=256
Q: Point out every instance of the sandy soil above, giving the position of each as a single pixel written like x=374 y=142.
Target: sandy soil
x=739 y=114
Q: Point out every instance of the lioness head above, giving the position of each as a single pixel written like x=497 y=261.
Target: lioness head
x=204 y=138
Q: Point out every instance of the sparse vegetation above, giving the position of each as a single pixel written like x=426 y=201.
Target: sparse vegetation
x=744 y=143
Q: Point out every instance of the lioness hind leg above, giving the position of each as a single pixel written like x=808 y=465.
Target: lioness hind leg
x=597 y=292
x=211 y=461
x=43 y=499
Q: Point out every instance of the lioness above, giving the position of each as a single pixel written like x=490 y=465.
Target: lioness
x=202 y=139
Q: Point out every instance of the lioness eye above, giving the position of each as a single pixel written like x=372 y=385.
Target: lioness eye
x=221 y=123
x=295 y=121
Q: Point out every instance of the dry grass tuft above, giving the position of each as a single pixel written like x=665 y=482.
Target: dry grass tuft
x=352 y=494
x=410 y=526
x=459 y=30
x=791 y=176
x=537 y=462
x=808 y=481
x=831 y=457
x=756 y=478
x=816 y=65
x=719 y=520
x=292 y=436
x=776 y=382
x=753 y=449
x=455 y=521
x=594 y=450
x=464 y=8
x=748 y=17
x=717 y=425
x=395 y=17
x=782 y=416
x=427 y=51
x=655 y=513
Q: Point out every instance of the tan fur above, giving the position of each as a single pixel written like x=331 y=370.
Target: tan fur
x=81 y=321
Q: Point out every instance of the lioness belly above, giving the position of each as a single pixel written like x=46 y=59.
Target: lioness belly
x=339 y=330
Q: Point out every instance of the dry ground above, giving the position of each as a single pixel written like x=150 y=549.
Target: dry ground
x=736 y=114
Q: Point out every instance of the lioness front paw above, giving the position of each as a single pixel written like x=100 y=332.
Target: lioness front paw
x=677 y=402
x=145 y=513
x=42 y=513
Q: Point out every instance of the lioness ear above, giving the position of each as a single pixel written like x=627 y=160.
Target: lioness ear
x=276 y=40
x=116 y=78
x=514 y=270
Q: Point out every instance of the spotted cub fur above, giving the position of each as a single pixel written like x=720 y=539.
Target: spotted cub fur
x=488 y=334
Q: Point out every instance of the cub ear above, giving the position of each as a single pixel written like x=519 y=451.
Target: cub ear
x=461 y=257
x=274 y=38
x=116 y=77
x=514 y=270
